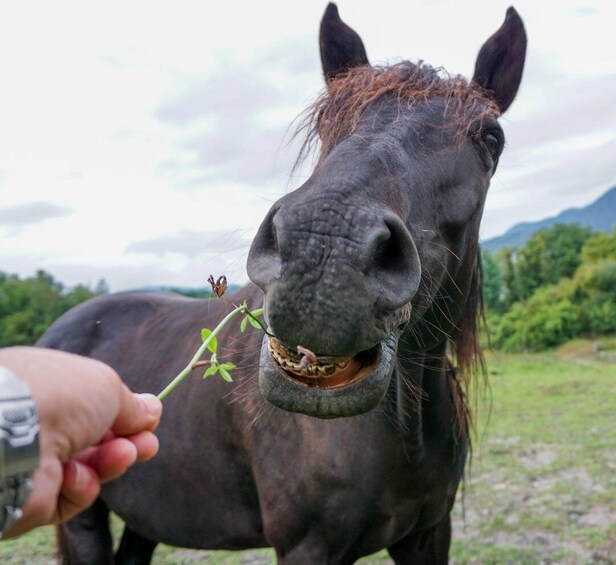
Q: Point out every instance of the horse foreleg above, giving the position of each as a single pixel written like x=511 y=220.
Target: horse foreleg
x=86 y=538
x=311 y=550
x=429 y=548
x=134 y=549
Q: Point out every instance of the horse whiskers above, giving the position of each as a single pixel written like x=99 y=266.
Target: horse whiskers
x=430 y=327
x=436 y=243
x=446 y=271
x=422 y=365
x=261 y=409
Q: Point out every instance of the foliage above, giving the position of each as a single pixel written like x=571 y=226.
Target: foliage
x=561 y=285
x=492 y=282
x=600 y=246
x=28 y=306
x=550 y=255
x=547 y=319
x=210 y=343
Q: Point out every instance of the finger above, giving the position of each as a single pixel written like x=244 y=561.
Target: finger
x=137 y=412
x=80 y=488
x=146 y=444
x=109 y=460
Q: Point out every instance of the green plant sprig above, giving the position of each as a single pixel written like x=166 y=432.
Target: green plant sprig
x=209 y=342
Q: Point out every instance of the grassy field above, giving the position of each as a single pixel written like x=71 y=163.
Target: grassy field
x=542 y=484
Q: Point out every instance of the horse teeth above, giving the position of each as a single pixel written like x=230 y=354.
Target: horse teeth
x=311 y=370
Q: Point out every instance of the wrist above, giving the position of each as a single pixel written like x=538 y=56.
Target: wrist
x=19 y=446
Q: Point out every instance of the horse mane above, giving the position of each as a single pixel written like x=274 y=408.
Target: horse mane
x=339 y=109
x=470 y=373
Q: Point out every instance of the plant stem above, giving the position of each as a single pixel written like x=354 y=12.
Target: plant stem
x=187 y=370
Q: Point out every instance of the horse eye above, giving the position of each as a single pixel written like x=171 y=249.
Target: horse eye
x=493 y=143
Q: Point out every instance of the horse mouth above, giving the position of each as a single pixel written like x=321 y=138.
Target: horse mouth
x=322 y=371
x=326 y=387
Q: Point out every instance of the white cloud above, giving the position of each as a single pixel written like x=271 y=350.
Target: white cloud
x=162 y=123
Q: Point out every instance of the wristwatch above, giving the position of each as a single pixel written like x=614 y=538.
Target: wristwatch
x=19 y=446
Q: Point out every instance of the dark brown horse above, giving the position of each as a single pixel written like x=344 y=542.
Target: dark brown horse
x=371 y=267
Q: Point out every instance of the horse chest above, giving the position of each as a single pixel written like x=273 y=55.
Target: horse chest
x=355 y=485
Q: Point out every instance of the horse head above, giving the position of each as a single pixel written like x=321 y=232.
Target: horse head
x=380 y=243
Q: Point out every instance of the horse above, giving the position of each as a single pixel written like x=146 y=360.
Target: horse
x=346 y=429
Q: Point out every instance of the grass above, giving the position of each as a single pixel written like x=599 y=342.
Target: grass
x=542 y=484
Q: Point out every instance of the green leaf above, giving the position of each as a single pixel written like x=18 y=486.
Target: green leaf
x=243 y=324
x=255 y=324
x=227 y=366
x=257 y=312
x=225 y=375
x=210 y=371
x=205 y=334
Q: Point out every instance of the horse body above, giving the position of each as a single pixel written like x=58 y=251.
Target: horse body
x=234 y=472
x=371 y=266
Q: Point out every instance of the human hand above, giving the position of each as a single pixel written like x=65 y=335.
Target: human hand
x=92 y=429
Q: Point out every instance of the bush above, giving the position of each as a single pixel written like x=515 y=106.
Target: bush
x=547 y=319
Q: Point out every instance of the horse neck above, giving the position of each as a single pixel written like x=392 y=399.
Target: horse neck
x=421 y=378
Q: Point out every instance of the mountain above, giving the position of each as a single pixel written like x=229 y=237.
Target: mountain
x=600 y=216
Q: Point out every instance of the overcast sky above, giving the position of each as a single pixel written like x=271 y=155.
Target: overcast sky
x=143 y=142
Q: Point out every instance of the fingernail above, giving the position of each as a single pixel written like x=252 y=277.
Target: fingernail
x=152 y=404
x=80 y=476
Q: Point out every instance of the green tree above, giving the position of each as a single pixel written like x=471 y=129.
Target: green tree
x=506 y=258
x=550 y=254
x=28 y=306
x=584 y=304
x=596 y=293
x=599 y=246
x=492 y=282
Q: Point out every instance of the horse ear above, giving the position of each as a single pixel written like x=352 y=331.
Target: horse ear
x=341 y=47
x=500 y=61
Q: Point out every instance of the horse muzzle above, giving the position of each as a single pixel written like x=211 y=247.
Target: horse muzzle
x=326 y=387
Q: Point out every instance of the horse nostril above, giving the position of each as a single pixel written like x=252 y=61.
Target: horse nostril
x=264 y=261
x=393 y=268
x=387 y=253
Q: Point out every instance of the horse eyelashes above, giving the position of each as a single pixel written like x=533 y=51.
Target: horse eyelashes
x=493 y=142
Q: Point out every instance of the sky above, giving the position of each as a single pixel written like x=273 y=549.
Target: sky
x=143 y=142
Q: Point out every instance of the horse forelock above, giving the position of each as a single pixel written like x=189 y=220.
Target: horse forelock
x=341 y=106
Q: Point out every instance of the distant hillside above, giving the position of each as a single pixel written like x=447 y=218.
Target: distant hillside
x=600 y=216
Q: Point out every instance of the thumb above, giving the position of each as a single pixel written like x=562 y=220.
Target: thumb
x=138 y=412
